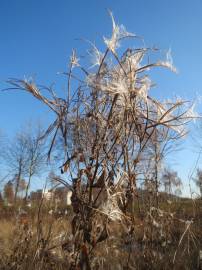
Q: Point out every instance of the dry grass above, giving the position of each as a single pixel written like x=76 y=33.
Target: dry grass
x=46 y=242
x=33 y=241
x=6 y=233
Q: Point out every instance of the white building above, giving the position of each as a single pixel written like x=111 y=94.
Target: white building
x=69 y=195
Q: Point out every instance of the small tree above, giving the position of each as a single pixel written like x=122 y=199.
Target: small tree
x=15 y=155
x=25 y=156
x=36 y=156
x=171 y=181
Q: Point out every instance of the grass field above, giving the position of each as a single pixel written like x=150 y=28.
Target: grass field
x=43 y=240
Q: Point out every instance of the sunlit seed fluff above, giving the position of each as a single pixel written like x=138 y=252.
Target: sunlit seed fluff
x=118 y=33
x=74 y=60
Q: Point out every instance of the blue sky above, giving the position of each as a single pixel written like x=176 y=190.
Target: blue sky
x=37 y=38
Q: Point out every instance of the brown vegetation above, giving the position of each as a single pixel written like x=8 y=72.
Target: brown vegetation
x=112 y=135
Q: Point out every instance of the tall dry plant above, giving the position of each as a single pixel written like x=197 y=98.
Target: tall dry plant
x=108 y=122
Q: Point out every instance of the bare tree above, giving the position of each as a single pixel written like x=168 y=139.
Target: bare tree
x=170 y=180
x=163 y=142
x=25 y=156
x=36 y=154
x=15 y=155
